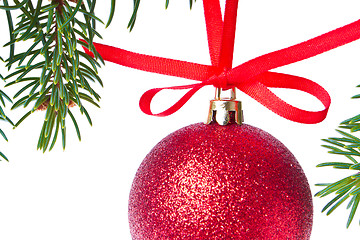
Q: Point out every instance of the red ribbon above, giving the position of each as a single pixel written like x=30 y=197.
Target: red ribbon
x=252 y=77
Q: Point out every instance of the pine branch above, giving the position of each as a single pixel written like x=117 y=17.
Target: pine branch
x=3 y=96
x=53 y=74
x=347 y=145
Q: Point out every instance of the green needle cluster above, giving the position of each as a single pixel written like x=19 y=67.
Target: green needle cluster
x=3 y=117
x=54 y=74
x=347 y=145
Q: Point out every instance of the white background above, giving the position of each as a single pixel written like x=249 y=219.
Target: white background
x=82 y=192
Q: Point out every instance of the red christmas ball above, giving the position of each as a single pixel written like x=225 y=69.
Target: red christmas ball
x=220 y=182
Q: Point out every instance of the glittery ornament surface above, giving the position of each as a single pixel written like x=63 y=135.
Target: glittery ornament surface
x=220 y=182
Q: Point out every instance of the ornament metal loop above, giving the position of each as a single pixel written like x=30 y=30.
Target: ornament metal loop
x=221 y=109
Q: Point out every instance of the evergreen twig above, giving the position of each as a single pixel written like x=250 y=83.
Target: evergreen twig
x=347 y=145
x=53 y=74
x=3 y=95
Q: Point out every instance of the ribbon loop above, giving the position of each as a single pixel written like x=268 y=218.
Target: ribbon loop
x=258 y=89
x=147 y=97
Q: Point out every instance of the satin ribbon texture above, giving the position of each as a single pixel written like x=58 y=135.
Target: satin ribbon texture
x=252 y=77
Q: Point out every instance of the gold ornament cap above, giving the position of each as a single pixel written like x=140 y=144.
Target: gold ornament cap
x=221 y=109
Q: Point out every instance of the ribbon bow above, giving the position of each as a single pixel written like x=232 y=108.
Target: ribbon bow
x=252 y=77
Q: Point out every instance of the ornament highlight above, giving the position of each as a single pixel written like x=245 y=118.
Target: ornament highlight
x=220 y=182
